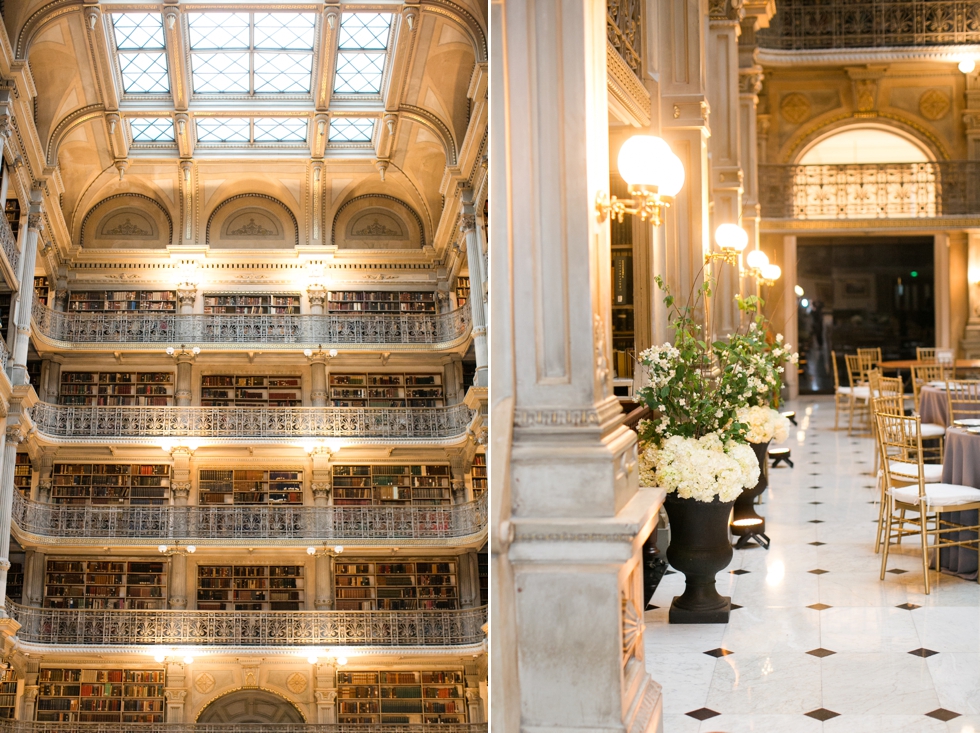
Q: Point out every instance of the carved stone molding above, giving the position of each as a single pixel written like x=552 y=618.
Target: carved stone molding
x=750 y=80
x=525 y=418
x=726 y=10
x=864 y=84
x=934 y=104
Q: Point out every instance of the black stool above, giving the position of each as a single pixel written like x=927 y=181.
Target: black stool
x=790 y=415
x=780 y=455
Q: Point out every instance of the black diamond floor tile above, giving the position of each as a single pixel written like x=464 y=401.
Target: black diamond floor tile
x=816 y=521
x=822 y=714
x=719 y=652
x=735 y=606
x=896 y=571
x=817 y=544
x=922 y=652
x=818 y=571
x=703 y=714
x=740 y=571
x=908 y=606
x=651 y=607
x=943 y=714
x=819 y=606
x=816 y=502
x=821 y=652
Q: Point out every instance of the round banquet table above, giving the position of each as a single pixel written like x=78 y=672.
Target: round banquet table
x=961 y=465
x=933 y=407
x=909 y=363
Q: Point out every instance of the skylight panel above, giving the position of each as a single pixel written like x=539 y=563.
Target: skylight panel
x=152 y=129
x=362 y=50
x=220 y=73
x=359 y=73
x=223 y=130
x=218 y=31
x=364 y=31
x=142 y=52
x=351 y=130
x=283 y=73
x=280 y=129
x=284 y=31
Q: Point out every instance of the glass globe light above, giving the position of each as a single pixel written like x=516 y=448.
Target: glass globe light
x=771 y=272
x=731 y=236
x=799 y=291
x=646 y=160
x=312 y=659
x=672 y=176
x=756 y=259
x=967 y=66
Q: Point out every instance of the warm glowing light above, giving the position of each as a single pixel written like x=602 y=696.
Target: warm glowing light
x=770 y=271
x=646 y=160
x=338 y=549
x=188 y=660
x=799 y=291
x=312 y=659
x=732 y=236
x=775 y=573
x=756 y=259
x=341 y=661
x=191 y=549
x=967 y=66
x=805 y=303
x=310 y=550
x=162 y=548
x=160 y=658
x=746 y=522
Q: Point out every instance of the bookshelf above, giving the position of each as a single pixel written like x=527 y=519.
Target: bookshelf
x=101 y=695
x=483 y=571
x=379 y=301
x=15 y=578
x=250 y=588
x=118 y=583
x=143 y=389
x=478 y=475
x=391 y=485
x=111 y=483
x=97 y=301
x=251 y=303
x=413 y=584
x=401 y=697
x=221 y=390
x=12 y=212
x=6 y=315
x=250 y=486
x=462 y=291
x=23 y=473
x=41 y=288
x=386 y=390
x=8 y=694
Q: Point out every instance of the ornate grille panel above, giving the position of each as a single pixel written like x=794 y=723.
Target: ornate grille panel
x=804 y=24
x=334 y=329
x=64 y=524
x=27 y=726
x=250 y=628
x=84 y=423
x=9 y=244
x=871 y=191
x=623 y=23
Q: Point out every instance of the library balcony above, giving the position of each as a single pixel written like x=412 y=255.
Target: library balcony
x=79 y=525
x=120 y=630
x=871 y=190
x=29 y=726
x=152 y=425
x=843 y=24
x=154 y=331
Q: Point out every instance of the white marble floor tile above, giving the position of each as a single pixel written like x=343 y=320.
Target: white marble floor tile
x=883 y=724
x=948 y=629
x=957 y=679
x=681 y=724
x=685 y=678
x=762 y=630
x=759 y=724
x=887 y=683
x=784 y=683
x=868 y=629
x=776 y=588
x=964 y=724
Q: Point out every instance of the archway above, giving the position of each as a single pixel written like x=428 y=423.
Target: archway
x=864 y=145
x=251 y=706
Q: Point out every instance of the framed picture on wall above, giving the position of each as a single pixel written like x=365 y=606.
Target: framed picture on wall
x=855 y=292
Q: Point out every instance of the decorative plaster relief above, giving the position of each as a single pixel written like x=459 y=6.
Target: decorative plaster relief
x=126 y=221
x=795 y=108
x=934 y=105
x=252 y=221
x=204 y=683
x=375 y=221
x=296 y=683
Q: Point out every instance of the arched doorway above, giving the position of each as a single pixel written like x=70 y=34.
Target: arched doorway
x=251 y=706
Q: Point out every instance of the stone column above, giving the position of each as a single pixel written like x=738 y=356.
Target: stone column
x=185 y=366
x=61 y=295
x=53 y=387
x=474 y=255
x=26 y=291
x=471 y=692
x=460 y=462
x=45 y=472
x=29 y=697
x=42 y=387
x=14 y=437
x=725 y=148
x=34 y=562
x=318 y=298
x=180 y=481
x=324 y=573
x=749 y=86
x=568 y=518
x=325 y=692
x=791 y=330
x=971 y=337
x=318 y=376
x=186 y=298
x=322 y=482
x=175 y=692
x=177 y=584
x=469 y=579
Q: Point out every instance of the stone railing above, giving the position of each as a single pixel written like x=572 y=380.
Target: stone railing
x=82 y=424
x=8 y=244
x=145 y=331
x=27 y=726
x=871 y=191
x=839 y=24
x=406 y=525
x=249 y=628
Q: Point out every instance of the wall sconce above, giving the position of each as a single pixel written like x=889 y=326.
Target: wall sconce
x=761 y=269
x=967 y=66
x=325 y=552
x=654 y=175
x=176 y=550
x=732 y=240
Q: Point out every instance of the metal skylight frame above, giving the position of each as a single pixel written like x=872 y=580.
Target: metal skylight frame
x=351 y=129
x=249 y=131
x=152 y=129
x=141 y=52
x=362 y=53
x=252 y=54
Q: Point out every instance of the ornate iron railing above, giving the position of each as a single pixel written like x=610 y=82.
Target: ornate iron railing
x=67 y=423
x=249 y=628
x=340 y=330
x=624 y=21
x=827 y=24
x=4 y=355
x=870 y=191
x=27 y=726
x=59 y=524
x=9 y=244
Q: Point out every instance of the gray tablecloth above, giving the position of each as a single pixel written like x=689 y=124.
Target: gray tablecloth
x=933 y=407
x=961 y=465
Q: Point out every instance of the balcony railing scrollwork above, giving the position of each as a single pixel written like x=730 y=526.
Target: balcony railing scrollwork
x=114 y=628
x=839 y=24
x=341 y=330
x=624 y=22
x=9 y=244
x=407 y=525
x=86 y=424
x=871 y=191
x=29 y=726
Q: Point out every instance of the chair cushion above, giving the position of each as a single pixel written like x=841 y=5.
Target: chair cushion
x=932 y=430
x=938 y=494
x=931 y=472
x=861 y=392
x=843 y=390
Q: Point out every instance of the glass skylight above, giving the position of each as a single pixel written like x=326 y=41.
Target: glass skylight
x=251 y=53
x=362 y=47
x=248 y=130
x=351 y=130
x=152 y=129
x=142 y=52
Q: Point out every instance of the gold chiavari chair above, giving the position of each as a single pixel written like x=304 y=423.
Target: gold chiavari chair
x=859 y=391
x=900 y=442
x=890 y=405
x=842 y=395
x=963 y=399
x=925 y=373
x=925 y=354
x=870 y=358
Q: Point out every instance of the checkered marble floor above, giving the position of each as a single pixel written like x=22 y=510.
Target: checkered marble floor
x=818 y=642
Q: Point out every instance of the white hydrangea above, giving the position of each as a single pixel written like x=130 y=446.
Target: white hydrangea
x=700 y=468
x=764 y=423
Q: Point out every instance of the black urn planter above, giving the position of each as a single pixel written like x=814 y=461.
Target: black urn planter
x=745 y=520
x=699 y=548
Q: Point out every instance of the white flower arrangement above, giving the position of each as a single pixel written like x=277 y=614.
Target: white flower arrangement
x=764 y=423
x=700 y=468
